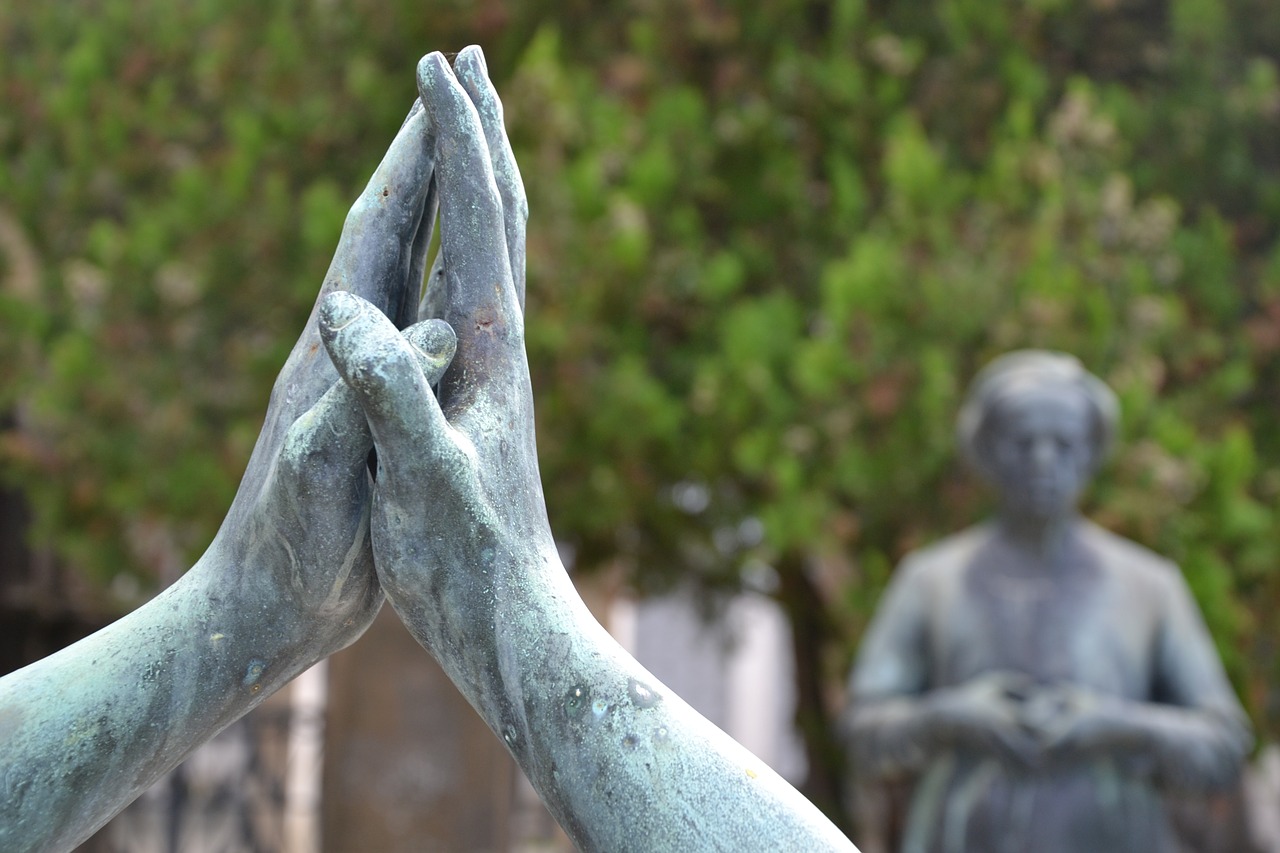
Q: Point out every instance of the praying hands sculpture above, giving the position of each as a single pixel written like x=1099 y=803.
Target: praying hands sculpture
x=452 y=530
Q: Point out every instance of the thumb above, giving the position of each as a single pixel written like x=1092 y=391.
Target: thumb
x=435 y=344
x=389 y=375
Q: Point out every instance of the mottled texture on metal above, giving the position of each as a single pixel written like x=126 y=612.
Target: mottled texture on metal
x=287 y=580
x=458 y=528
x=466 y=556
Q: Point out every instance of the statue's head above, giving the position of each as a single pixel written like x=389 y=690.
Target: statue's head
x=1037 y=425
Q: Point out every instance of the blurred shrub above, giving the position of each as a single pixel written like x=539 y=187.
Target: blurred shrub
x=770 y=244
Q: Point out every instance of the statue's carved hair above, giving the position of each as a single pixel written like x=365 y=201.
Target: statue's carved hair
x=1021 y=370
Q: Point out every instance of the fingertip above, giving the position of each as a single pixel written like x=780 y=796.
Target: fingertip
x=431 y=69
x=471 y=58
x=434 y=343
x=434 y=338
x=424 y=65
x=471 y=72
x=369 y=354
x=339 y=310
x=360 y=340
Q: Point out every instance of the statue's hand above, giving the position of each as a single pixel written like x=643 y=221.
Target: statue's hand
x=465 y=552
x=984 y=714
x=288 y=579
x=458 y=510
x=1069 y=719
x=296 y=539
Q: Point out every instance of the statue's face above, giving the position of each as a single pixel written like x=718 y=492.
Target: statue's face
x=1041 y=451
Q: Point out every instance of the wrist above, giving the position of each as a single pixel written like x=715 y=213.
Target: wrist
x=1124 y=727
x=248 y=624
x=482 y=612
x=936 y=716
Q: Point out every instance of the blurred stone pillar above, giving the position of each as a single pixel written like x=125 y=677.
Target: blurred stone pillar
x=408 y=765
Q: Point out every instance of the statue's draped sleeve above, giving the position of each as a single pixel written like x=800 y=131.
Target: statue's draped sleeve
x=885 y=722
x=1199 y=733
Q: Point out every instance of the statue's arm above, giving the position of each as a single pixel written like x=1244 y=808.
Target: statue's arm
x=622 y=762
x=465 y=552
x=1197 y=733
x=1189 y=733
x=288 y=579
x=885 y=723
x=86 y=730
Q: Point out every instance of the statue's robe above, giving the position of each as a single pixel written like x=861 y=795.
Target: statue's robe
x=1118 y=621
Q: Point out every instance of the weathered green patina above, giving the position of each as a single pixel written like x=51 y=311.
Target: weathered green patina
x=455 y=523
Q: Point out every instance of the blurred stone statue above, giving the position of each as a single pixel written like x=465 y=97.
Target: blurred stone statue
x=1043 y=680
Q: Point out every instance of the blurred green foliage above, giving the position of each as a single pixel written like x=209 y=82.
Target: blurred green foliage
x=770 y=243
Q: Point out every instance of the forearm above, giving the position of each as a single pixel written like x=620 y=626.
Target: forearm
x=887 y=736
x=1191 y=749
x=622 y=763
x=86 y=730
